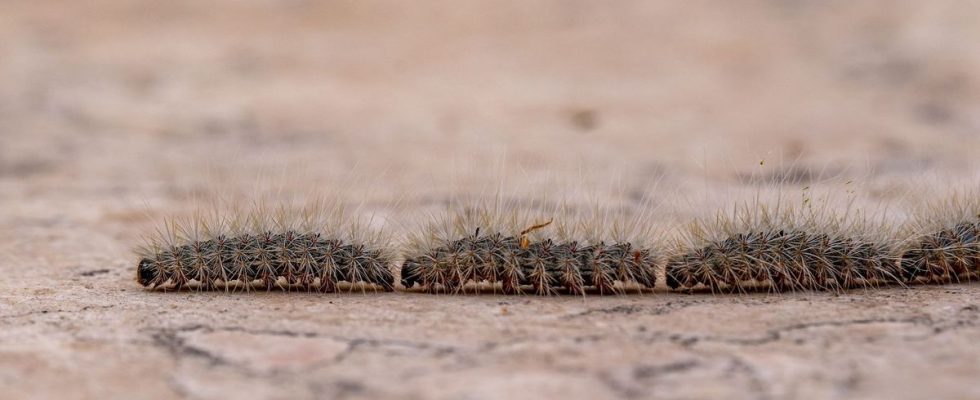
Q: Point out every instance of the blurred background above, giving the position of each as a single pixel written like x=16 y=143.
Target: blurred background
x=134 y=96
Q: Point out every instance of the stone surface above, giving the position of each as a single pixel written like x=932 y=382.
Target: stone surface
x=115 y=114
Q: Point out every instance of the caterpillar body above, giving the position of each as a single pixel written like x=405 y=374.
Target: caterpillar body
x=945 y=242
x=519 y=249
x=545 y=266
x=780 y=245
x=306 y=260
x=537 y=248
x=267 y=250
x=782 y=260
x=949 y=255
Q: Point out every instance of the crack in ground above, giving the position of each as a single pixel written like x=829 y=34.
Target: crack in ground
x=170 y=340
x=635 y=387
x=58 y=311
x=776 y=334
x=757 y=385
x=178 y=348
x=627 y=309
x=972 y=312
x=657 y=371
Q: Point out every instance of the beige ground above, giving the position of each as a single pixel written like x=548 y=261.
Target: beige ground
x=110 y=110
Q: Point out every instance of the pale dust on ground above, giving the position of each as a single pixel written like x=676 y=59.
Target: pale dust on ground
x=114 y=110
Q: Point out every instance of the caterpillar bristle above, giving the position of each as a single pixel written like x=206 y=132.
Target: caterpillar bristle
x=782 y=247
x=945 y=242
x=520 y=247
x=313 y=249
x=782 y=261
x=519 y=251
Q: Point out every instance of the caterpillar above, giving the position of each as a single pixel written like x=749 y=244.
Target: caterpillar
x=287 y=249
x=521 y=254
x=782 y=248
x=944 y=243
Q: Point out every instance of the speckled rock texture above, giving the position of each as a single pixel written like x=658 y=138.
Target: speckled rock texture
x=116 y=114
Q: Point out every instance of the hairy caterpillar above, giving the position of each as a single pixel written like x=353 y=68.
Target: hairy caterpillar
x=288 y=249
x=519 y=253
x=944 y=244
x=782 y=248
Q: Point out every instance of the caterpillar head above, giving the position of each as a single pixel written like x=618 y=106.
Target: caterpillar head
x=672 y=281
x=673 y=275
x=146 y=272
x=410 y=273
